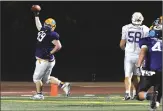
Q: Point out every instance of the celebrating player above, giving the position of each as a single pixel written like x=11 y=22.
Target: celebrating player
x=131 y=34
x=151 y=52
x=47 y=45
x=156 y=22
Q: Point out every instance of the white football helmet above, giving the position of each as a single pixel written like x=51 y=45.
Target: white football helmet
x=158 y=27
x=137 y=18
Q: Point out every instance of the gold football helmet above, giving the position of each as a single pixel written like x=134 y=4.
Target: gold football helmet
x=50 y=23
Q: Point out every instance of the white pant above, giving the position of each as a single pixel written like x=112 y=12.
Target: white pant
x=43 y=70
x=129 y=65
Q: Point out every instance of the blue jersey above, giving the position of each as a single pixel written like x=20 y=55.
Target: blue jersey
x=153 y=59
x=44 y=44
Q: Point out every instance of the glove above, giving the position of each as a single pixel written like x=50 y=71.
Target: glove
x=36 y=13
x=138 y=71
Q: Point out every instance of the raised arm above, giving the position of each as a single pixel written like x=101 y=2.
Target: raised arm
x=36 y=9
x=38 y=23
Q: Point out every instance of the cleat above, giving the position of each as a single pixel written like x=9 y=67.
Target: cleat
x=157 y=104
x=37 y=97
x=153 y=101
x=127 y=97
x=133 y=97
x=66 y=88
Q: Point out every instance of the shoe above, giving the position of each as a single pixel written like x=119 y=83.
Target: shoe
x=37 y=97
x=134 y=97
x=153 y=100
x=66 y=88
x=127 y=97
x=152 y=109
x=157 y=106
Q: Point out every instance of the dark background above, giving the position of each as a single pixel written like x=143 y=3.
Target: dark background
x=90 y=34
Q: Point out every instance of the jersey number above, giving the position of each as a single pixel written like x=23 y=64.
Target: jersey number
x=41 y=36
x=157 y=47
x=134 y=36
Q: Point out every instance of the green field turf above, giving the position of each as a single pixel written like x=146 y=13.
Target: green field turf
x=75 y=103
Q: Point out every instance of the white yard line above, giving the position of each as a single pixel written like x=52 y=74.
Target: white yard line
x=74 y=97
x=18 y=92
x=77 y=102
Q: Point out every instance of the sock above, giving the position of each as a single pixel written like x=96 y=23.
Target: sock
x=39 y=93
x=128 y=92
x=147 y=96
x=61 y=84
x=134 y=93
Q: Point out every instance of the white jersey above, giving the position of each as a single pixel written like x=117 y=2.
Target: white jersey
x=132 y=34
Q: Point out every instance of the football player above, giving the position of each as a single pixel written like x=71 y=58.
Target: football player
x=47 y=45
x=131 y=34
x=151 y=52
x=156 y=22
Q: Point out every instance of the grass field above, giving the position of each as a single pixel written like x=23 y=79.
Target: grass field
x=73 y=103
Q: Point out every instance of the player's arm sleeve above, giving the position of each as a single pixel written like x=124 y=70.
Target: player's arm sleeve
x=124 y=32
x=56 y=36
x=144 y=42
x=57 y=44
x=38 y=23
x=144 y=46
x=146 y=31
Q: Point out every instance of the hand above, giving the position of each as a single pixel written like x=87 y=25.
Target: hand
x=138 y=71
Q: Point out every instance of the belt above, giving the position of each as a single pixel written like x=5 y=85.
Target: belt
x=45 y=60
x=39 y=60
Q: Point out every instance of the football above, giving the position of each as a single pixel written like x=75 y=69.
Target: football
x=36 y=8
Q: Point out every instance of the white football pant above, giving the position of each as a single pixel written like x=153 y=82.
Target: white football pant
x=43 y=70
x=129 y=65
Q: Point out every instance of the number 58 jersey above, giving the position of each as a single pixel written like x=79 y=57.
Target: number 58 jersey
x=132 y=34
x=153 y=59
x=44 y=44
